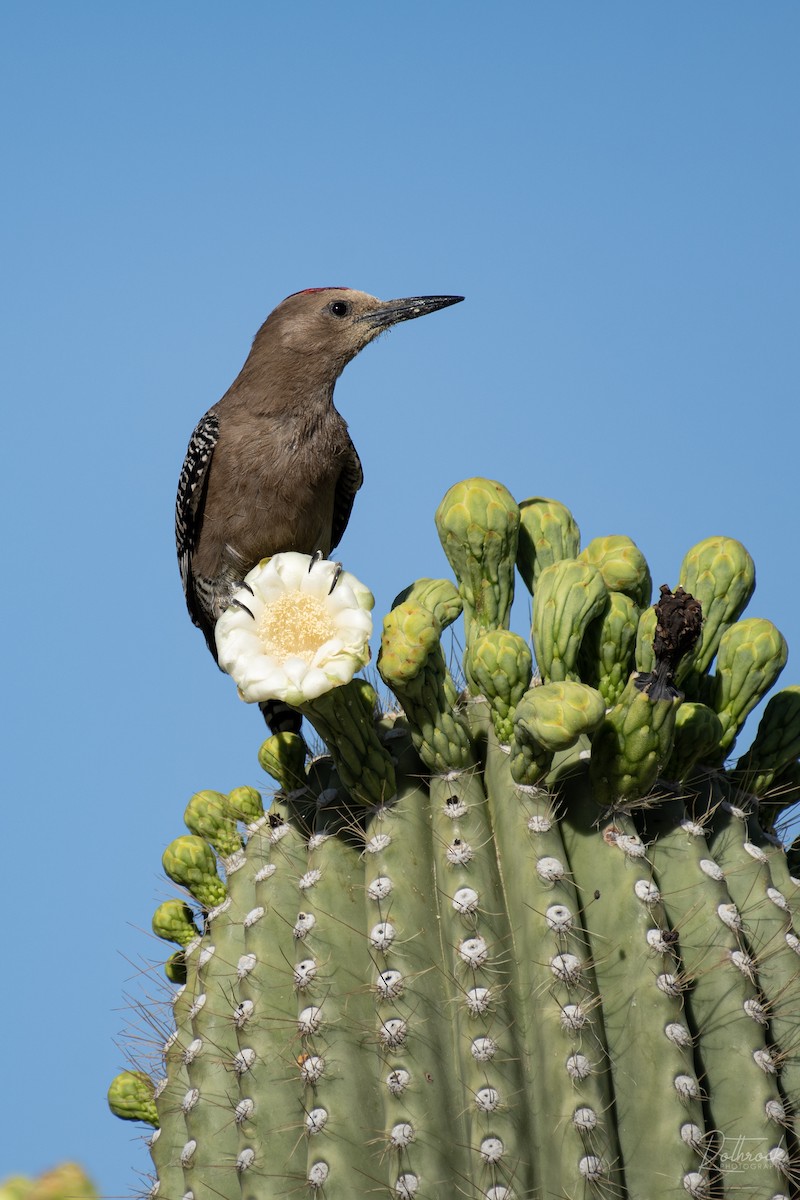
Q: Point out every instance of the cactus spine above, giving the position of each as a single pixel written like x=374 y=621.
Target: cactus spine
x=525 y=940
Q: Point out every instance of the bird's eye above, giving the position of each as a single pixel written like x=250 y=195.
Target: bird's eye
x=340 y=308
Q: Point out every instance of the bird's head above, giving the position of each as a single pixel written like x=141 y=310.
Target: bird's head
x=326 y=327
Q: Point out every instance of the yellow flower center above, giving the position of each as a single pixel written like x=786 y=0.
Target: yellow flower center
x=295 y=625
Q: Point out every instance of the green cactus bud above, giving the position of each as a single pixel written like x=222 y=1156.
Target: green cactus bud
x=569 y=595
x=644 y=655
x=131 y=1097
x=785 y=790
x=174 y=922
x=478 y=526
x=16 y=1187
x=530 y=760
x=245 y=804
x=190 y=862
x=782 y=794
x=369 y=698
x=776 y=744
x=632 y=745
x=209 y=816
x=67 y=1181
x=547 y=533
x=501 y=665
x=548 y=720
x=720 y=574
x=606 y=656
x=557 y=714
x=622 y=565
x=438 y=596
x=283 y=756
x=412 y=664
x=410 y=636
x=175 y=968
x=751 y=655
x=697 y=734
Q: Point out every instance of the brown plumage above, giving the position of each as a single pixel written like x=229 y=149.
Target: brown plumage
x=271 y=466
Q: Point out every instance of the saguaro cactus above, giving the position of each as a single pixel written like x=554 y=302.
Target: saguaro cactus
x=528 y=939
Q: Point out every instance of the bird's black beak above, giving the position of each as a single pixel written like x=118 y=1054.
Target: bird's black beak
x=394 y=311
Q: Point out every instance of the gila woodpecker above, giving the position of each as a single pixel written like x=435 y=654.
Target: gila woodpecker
x=271 y=466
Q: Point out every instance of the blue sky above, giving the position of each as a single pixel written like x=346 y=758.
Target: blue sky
x=613 y=187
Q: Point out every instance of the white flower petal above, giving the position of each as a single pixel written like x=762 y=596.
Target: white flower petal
x=291 y=569
x=359 y=617
x=327 y=650
x=320 y=578
x=340 y=669
x=237 y=618
x=342 y=597
x=263 y=673
x=316 y=683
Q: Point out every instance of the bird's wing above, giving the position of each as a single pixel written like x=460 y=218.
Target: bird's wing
x=349 y=482
x=192 y=487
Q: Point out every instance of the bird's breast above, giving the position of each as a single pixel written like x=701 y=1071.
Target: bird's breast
x=272 y=490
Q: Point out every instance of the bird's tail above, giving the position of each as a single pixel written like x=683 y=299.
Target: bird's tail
x=280 y=717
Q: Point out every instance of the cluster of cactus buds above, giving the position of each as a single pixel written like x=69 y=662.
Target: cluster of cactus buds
x=67 y=1181
x=520 y=936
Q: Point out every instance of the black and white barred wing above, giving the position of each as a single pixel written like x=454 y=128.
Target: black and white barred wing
x=189 y=505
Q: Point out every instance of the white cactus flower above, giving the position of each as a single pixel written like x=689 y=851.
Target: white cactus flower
x=288 y=636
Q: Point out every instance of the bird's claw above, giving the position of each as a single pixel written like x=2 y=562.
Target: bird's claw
x=318 y=557
x=337 y=570
x=238 y=604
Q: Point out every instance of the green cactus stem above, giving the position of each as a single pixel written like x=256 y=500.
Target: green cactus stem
x=721 y=970
x=343 y=718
